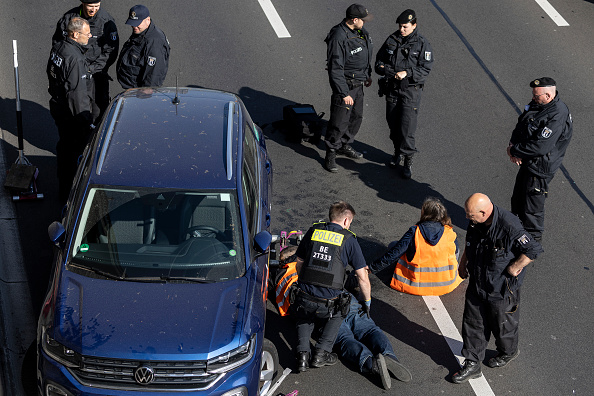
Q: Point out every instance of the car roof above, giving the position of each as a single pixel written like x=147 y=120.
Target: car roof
x=149 y=141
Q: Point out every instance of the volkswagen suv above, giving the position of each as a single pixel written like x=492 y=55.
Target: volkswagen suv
x=160 y=274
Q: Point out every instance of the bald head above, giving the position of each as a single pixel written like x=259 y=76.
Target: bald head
x=478 y=207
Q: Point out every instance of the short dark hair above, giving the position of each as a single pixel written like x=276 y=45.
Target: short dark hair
x=339 y=210
x=434 y=210
x=76 y=24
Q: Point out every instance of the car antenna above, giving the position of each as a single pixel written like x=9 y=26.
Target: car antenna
x=175 y=100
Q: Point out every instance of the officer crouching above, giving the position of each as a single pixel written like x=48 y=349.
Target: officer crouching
x=322 y=258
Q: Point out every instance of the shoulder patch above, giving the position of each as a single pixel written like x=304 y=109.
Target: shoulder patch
x=427 y=55
x=524 y=239
x=56 y=59
x=113 y=36
x=152 y=60
x=546 y=132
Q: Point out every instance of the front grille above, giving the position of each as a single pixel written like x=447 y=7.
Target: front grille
x=168 y=375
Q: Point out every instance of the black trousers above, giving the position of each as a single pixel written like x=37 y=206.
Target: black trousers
x=307 y=313
x=528 y=200
x=345 y=121
x=482 y=318
x=402 y=109
x=70 y=146
x=100 y=92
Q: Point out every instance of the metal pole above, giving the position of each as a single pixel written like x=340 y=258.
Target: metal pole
x=19 y=113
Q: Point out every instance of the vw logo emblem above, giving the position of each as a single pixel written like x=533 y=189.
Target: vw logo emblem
x=144 y=375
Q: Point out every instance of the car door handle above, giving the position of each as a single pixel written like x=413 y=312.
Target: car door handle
x=267 y=219
x=268 y=166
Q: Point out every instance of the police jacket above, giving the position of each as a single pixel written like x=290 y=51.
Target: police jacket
x=541 y=136
x=144 y=59
x=102 y=49
x=491 y=249
x=348 y=57
x=412 y=54
x=323 y=247
x=68 y=74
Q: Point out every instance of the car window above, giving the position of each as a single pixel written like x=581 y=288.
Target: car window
x=157 y=233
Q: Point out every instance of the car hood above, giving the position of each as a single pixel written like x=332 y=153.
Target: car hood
x=131 y=320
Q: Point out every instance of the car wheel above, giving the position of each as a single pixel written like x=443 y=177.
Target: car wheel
x=269 y=366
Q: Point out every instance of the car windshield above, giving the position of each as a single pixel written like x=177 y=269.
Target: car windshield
x=159 y=235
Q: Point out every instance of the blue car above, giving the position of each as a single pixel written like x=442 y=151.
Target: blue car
x=160 y=275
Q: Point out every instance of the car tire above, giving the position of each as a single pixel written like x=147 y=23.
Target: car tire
x=269 y=367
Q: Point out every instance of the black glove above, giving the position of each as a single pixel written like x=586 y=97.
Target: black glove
x=364 y=310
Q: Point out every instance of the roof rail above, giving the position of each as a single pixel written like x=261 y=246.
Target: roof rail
x=108 y=136
x=230 y=112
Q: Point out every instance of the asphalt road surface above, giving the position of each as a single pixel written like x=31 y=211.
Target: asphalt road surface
x=273 y=54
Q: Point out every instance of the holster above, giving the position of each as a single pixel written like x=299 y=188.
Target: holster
x=344 y=303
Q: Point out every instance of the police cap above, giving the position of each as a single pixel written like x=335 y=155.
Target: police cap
x=406 y=17
x=137 y=14
x=90 y=1
x=358 y=11
x=543 y=82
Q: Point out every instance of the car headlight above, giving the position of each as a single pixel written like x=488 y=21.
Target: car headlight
x=66 y=356
x=232 y=359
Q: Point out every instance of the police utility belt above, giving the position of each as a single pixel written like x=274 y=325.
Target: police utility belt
x=340 y=302
x=354 y=83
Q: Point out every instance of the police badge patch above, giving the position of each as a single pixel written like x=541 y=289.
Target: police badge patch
x=546 y=133
x=427 y=55
x=113 y=36
x=152 y=60
x=524 y=239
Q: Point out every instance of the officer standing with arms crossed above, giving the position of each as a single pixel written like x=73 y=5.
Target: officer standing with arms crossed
x=322 y=257
x=144 y=58
x=404 y=60
x=538 y=145
x=102 y=48
x=70 y=104
x=349 y=68
x=497 y=251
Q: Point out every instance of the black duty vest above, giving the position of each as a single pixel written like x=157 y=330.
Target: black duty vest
x=324 y=266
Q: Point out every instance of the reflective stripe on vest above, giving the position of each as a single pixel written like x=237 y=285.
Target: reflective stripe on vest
x=433 y=271
x=283 y=288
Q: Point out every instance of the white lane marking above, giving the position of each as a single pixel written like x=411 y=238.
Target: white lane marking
x=552 y=12
x=448 y=329
x=274 y=19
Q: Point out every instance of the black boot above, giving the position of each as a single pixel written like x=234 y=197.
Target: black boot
x=397 y=369
x=349 y=152
x=396 y=160
x=470 y=370
x=302 y=361
x=406 y=171
x=330 y=161
x=323 y=358
x=379 y=368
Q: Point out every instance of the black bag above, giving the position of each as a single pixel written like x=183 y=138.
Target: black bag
x=302 y=123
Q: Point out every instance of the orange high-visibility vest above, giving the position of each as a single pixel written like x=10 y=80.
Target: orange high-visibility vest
x=433 y=271
x=283 y=287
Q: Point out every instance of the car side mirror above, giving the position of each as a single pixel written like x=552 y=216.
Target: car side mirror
x=262 y=242
x=57 y=233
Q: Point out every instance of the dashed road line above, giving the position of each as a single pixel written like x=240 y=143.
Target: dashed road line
x=448 y=329
x=552 y=13
x=274 y=19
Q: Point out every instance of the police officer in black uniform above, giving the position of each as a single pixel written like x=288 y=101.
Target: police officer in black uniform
x=405 y=60
x=538 y=145
x=102 y=48
x=68 y=72
x=349 y=68
x=322 y=257
x=144 y=58
x=497 y=250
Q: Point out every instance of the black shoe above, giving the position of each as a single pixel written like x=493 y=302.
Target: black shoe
x=323 y=358
x=330 y=161
x=470 y=370
x=502 y=360
x=302 y=361
x=396 y=160
x=406 y=171
x=397 y=369
x=349 y=152
x=378 y=367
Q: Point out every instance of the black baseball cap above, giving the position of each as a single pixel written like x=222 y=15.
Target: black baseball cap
x=137 y=14
x=358 y=11
x=90 y=1
x=406 y=17
x=543 y=82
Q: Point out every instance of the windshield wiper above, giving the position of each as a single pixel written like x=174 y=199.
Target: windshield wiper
x=99 y=272
x=188 y=279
